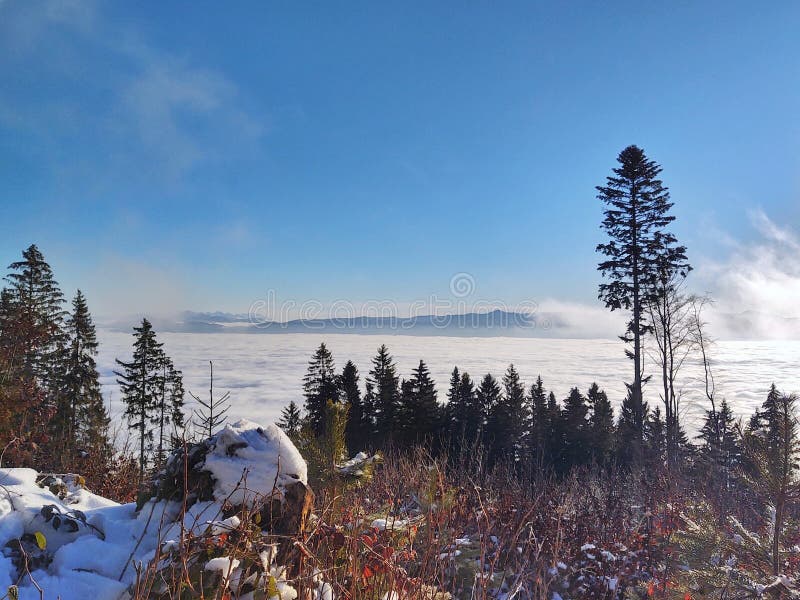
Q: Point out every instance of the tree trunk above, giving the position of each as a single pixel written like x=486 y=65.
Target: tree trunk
x=637 y=319
x=142 y=400
x=776 y=537
x=665 y=380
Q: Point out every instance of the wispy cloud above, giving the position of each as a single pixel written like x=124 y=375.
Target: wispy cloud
x=79 y=14
x=757 y=286
x=165 y=93
x=147 y=109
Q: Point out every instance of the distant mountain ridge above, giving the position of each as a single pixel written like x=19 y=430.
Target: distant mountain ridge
x=496 y=322
x=565 y=324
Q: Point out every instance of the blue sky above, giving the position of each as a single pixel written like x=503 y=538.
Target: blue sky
x=196 y=155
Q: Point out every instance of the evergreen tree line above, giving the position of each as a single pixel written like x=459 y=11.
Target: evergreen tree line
x=52 y=412
x=644 y=269
x=51 y=408
x=503 y=422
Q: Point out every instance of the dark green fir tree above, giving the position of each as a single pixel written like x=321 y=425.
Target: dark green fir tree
x=320 y=385
x=575 y=427
x=420 y=411
x=601 y=425
x=385 y=383
x=81 y=420
x=35 y=301
x=140 y=383
x=357 y=428
x=508 y=423
x=487 y=397
x=291 y=421
x=540 y=426
x=168 y=417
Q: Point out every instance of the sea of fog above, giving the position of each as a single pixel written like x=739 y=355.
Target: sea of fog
x=264 y=372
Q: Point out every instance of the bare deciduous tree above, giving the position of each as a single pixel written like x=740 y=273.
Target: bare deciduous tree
x=673 y=326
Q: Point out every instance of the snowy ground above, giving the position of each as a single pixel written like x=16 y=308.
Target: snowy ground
x=84 y=546
x=264 y=372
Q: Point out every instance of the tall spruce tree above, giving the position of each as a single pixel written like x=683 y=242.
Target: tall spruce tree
x=601 y=425
x=555 y=434
x=637 y=206
x=473 y=413
x=140 y=383
x=508 y=423
x=487 y=397
x=81 y=420
x=356 y=431
x=771 y=415
x=720 y=440
x=456 y=412
x=655 y=437
x=320 y=385
x=540 y=425
x=575 y=427
x=628 y=443
x=385 y=382
x=168 y=414
x=464 y=414
x=370 y=417
x=420 y=411
x=291 y=421
x=37 y=304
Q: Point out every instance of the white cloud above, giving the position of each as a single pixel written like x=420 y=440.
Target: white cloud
x=757 y=286
x=577 y=320
x=163 y=93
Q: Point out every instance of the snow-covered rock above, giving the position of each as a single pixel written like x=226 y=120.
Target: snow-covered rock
x=80 y=545
x=248 y=461
x=244 y=463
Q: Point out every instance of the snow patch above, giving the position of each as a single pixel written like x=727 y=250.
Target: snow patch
x=90 y=547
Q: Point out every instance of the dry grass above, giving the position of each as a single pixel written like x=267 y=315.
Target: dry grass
x=422 y=529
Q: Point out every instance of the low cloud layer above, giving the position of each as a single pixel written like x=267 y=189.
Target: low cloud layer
x=264 y=372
